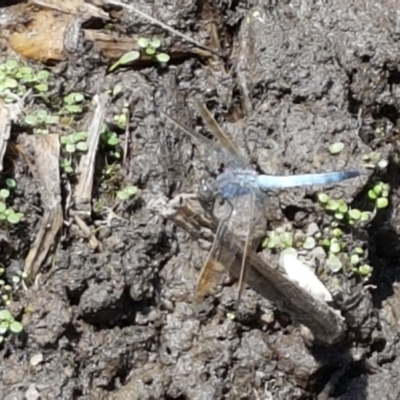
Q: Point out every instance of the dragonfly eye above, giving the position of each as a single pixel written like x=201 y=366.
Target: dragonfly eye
x=206 y=191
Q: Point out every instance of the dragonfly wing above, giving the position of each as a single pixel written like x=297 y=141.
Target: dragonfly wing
x=281 y=182
x=213 y=269
x=225 y=141
x=189 y=131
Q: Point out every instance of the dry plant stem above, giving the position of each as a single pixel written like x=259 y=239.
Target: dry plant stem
x=83 y=191
x=157 y=22
x=73 y=7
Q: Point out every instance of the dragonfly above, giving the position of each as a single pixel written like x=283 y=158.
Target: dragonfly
x=243 y=191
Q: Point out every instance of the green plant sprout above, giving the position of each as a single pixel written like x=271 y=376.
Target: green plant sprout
x=374 y=160
x=111 y=141
x=73 y=103
x=18 y=277
x=8 y=324
x=379 y=195
x=341 y=210
x=146 y=47
x=16 y=79
x=66 y=165
x=278 y=240
x=7 y=213
x=41 y=117
x=336 y=148
x=121 y=120
x=74 y=142
x=127 y=192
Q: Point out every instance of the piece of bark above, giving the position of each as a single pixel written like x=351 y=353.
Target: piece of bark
x=43 y=156
x=9 y=112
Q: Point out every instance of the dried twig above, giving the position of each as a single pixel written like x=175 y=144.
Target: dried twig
x=157 y=22
x=83 y=191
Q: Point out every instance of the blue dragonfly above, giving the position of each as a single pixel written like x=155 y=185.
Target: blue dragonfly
x=242 y=190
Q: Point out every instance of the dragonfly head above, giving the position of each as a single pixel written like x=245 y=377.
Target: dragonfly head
x=206 y=189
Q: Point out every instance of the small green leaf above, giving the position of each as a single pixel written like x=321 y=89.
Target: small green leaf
x=82 y=146
x=10 y=83
x=150 y=51
x=337 y=232
x=65 y=139
x=372 y=195
x=378 y=189
x=323 y=198
x=43 y=75
x=52 y=119
x=365 y=269
x=16 y=327
x=78 y=97
x=73 y=108
x=334 y=248
x=163 y=58
x=42 y=115
x=4 y=327
x=126 y=59
x=4 y=193
x=31 y=120
x=70 y=148
x=355 y=214
x=14 y=218
x=11 y=183
x=11 y=65
x=113 y=140
x=354 y=259
x=155 y=43
x=343 y=207
x=132 y=190
x=365 y=216
x=79 y=136
x=42 y=87
x=332 y=205
x=143 y=43
x=5 y=315
x=336 y=148
x=117 y=89
x=359 y=250
x=24 y=71
x=382 y=202
x=122 y=195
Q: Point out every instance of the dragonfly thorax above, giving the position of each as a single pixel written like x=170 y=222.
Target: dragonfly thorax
x=236 y=182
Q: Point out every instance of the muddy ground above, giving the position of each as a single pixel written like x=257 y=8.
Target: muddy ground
x=117 y=321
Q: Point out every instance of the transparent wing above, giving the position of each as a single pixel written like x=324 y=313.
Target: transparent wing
x=224 y=148
x=225 y=141
x=245 y=216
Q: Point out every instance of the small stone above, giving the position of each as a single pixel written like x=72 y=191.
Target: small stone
x=32 y=393
x=36 y=359
x=312 y=229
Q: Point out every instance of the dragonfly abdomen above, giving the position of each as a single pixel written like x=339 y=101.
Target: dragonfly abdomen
x=281 y=182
